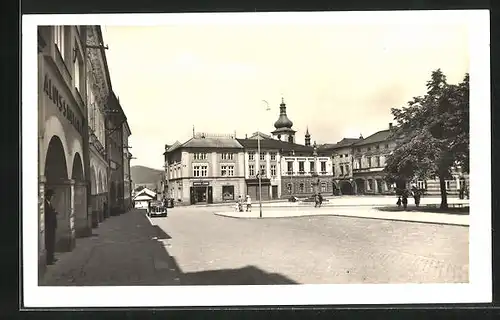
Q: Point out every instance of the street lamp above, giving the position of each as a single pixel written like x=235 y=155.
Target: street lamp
x=260 y=172
x=315 y=172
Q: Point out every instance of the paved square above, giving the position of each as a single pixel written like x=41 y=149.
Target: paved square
x=210 y=249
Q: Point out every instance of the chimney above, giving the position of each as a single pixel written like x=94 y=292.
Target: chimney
x=390 y=126
x=246 y=136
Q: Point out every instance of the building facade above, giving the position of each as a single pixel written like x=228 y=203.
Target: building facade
x=369 y=159
x=62 y=133
x=74 y=90
x=114 y=145
x=127 y=177
x=98 y=90
x=205 y=169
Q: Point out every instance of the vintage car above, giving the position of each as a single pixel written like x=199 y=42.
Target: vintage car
x=157 y=209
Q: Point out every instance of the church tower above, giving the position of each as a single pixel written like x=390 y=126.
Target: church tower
x=307 y=138
x=283 y=125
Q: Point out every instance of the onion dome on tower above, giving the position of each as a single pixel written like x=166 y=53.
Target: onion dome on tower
x=283 y=121
x=284 y=125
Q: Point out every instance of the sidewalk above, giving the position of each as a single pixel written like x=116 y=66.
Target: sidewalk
x=342 y=201
x=123 y=250
x=356 y=212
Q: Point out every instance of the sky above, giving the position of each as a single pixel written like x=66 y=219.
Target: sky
x=338 y=79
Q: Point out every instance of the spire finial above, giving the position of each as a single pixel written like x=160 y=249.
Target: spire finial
x=282 y=100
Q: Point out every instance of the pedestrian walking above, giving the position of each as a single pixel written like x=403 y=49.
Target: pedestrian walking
x=105 y=209
x=399 y=202
x=320 y=199
x=240 y=204
x=249 y=203
x=416 y=196
x=405 y=199
x=316 y=200
x=50 y=227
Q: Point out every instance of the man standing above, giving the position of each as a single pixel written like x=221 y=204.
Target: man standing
x=50 y=227
x=249 y=203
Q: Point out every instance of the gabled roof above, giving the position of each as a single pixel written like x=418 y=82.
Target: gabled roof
x=345 y=142
x=381 y=136
x=274 y=144
x=142 y=197
x=209 y=142
x=176 y=145
x=145 y=192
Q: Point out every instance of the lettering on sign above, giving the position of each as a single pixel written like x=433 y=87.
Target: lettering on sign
x=53 y=94
x=200 y=183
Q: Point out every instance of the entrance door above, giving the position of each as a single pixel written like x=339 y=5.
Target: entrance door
x=210 y=198
x=275 y=192
x=265 y=193
x=191 y=195
x=252 y=192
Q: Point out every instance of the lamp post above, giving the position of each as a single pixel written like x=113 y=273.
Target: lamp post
x=315 y=173
x=260 y=172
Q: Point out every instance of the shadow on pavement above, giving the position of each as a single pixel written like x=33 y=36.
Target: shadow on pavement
x=132 y=252
x=249 y=275
x=160 y=234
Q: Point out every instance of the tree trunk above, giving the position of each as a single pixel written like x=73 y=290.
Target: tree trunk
x=442 y=187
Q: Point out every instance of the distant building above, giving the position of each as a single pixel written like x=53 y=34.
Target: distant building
x=341 y=156
x=369 y=159
x=143 y=198
x=205 y=169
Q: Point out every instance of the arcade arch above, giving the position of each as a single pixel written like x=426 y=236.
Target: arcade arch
x=346 y=188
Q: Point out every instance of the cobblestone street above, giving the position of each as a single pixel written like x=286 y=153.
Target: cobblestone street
x=313 y=250
x=192 y=246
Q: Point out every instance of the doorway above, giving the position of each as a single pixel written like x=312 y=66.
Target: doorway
x=275 y=192
x=200 y=194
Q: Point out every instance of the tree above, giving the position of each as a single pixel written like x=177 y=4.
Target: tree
x=432 y=134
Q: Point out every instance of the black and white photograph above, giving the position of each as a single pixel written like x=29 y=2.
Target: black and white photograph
x=232 y=159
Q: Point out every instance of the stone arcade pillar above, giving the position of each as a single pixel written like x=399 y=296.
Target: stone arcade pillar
x=63 y=201
x=82 y=214
x=42 y=253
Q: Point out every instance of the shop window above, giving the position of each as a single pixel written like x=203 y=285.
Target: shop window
x=227 y=192
x=324 y=187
